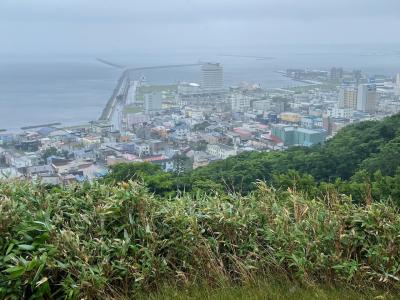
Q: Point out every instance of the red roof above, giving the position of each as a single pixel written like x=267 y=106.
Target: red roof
x=242 y=131
x=274 y=139
x=262 y=126
x=155 y=158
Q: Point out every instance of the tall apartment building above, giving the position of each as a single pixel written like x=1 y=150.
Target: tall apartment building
x=348 y=97
x=212 y=77
x=367 y=98
x=152 y=102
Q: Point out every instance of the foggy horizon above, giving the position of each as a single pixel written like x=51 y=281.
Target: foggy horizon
x=46 y=28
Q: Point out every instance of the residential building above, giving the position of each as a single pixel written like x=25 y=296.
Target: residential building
x=152 y=102
x=142 y=149
x=284 y=133
x=180 y=131
x=348 y=97
x=243 y=133
x=233 y=137
x=21 y=162
x=337 y=112
x=133 y=119
x=263 y=105
x=280 y=104
x=292 y=136
x=221 y=151
x=240 y=102
x=290 y=117
x=39 y=170
x=308 y=137
x=367 y=98
x=311 y=122
x=201 y=159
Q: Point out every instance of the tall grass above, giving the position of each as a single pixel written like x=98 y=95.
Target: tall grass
x=272 y=290
x=97 y=241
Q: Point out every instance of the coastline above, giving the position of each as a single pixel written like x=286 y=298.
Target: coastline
x=108 y=107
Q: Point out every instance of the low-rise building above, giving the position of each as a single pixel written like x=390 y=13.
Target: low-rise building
x=290 y=117
x=221 y=151
x=292 y=136
x=240 y=102
x=337 y=112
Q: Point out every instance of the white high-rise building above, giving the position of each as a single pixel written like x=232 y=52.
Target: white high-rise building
x=397 y=86
x=367 y=98
x=152 y=102
x=212 y=77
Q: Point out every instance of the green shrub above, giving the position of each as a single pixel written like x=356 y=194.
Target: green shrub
x=100 y=240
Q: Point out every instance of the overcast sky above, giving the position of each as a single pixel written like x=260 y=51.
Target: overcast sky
x=102 y=26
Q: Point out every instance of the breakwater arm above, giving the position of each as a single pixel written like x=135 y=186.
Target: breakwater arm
x=120 y=90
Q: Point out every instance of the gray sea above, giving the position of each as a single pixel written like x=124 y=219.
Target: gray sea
x=75 y=90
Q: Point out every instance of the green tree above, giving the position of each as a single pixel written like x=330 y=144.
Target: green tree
x=152 y=175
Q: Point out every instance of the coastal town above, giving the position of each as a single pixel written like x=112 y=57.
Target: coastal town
x=188 y=125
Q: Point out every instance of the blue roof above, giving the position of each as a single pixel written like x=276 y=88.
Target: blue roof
x=101 y=173
x=80 y=178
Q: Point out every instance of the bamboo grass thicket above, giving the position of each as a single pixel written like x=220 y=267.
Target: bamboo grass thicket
x=97 y=240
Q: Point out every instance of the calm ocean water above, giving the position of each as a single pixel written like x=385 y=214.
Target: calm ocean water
x=41 y=92
x=75 y=91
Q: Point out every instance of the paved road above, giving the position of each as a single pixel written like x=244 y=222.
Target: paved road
x=116 y=116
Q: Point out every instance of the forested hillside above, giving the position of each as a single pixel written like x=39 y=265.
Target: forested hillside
x=362 y=160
